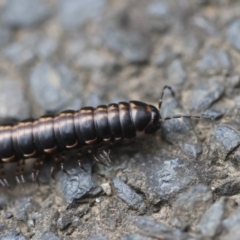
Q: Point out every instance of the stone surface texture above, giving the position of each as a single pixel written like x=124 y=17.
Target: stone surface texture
x=181 y=183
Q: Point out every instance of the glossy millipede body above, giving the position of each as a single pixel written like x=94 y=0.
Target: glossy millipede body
x=76 y=129
x=69 y=129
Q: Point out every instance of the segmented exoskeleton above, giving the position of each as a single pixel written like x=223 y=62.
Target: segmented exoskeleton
x=76 y=129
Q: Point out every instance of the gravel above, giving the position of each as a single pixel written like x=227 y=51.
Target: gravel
x=233 y=34
x=181 y=183
x=74 y=13
x=25 y=13
x=125 y=193
x=46 y=81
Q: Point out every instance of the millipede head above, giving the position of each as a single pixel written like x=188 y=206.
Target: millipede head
x=157 y=120
x=161 y=120
x=155 y=123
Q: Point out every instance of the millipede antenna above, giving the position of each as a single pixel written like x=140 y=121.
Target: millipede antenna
x=177 y=116
x=162 y=94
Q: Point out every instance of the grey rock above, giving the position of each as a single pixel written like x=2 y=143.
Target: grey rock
x=164 y=57
x=22 y=216
x=129 y=196
x=45 y=221
x=228 y=187
x=77 y=184
x=235 y=157
x=76 y=222
x=24 y=13
x=191 y=44
x=192 y=150
x=213 y=113
x=165 y=178
x=3 y=202
x=95 y=60
x=45 y=48
x=24 y=207
x=90 y=59
x=98 y=238
x=205 y=95
x=13 y=235
x=204 y=24
x=189 y=4
x=33 y=46
x=176 y=73
x=233 y=34
x=49 y=236
x=234 y=81
x=231 y=226
x=158 y=8
x=214 y=61
x=53 y=86
x=64 y=221
x=155 y=229
x=176 y=130
x=2 y=227
x=8 y=214
x=150 y=225
x=20 y=54
x=134 y=46
x=5 y=36
x=13 y=102
x=224 y=139
x=134 y=236
x=189 y=207
x=74 y=13
x=158 y=16
x=94 y=98
x=210 y=223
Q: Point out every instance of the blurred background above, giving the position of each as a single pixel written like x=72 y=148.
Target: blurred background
x=56 y=55
x=66 y=54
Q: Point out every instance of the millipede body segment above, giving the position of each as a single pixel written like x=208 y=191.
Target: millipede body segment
x=68 y=130
x=76 y=129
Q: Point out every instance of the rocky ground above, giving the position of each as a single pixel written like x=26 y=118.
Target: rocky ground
x=181 y=183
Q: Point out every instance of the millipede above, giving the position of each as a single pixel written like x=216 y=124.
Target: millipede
x=54 y=134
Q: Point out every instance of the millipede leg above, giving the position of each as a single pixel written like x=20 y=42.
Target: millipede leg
x=161 y=98
x=109 y=151
x=91 y=153
x=55 y=161
x=79 y=158
x=22 y=167
x=105 y=154
x=3 y=179
x=17 y=174
x=20 y=171
x=39 y=168
x=36 y=169
x=97 y=159
x=63 y=158
x=2 y=183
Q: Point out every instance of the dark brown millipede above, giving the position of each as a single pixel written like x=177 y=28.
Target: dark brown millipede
x=77 y=129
